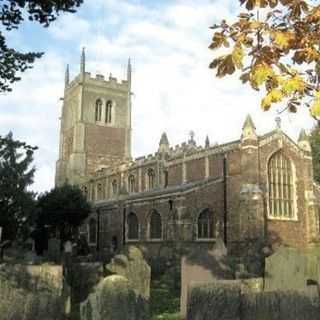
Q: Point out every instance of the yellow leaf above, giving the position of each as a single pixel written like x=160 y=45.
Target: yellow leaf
x=315 y=108
x=274 y=96
x=296 y=83
x=282 y=38
x=260 y=73
x=266 y=103
x=237 y=56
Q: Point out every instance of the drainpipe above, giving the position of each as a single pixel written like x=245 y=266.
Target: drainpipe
x=124 y=227
x=98 y=230
x=225 y=201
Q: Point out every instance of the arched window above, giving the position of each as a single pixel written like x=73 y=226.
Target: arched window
x=108 y=116
x=98 y=110
x=281 y=191
x=150 y=179
x=155 y=227
x=205 y=225
x=131 y=183
x=114 y=187
x=92 y=231
x=133 y=226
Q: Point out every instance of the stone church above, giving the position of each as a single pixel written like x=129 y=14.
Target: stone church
x=254 y=188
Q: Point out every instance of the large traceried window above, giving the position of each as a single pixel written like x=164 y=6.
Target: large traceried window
x=205 y=225
x=133 y=226
x=108 y=115
x=155 y=227
x=281 y=188
x=98 y=110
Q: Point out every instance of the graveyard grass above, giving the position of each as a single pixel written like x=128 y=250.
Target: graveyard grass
x=164 y=301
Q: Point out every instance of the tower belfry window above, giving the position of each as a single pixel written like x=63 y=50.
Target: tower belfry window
x=98 y=110
x=108 y=116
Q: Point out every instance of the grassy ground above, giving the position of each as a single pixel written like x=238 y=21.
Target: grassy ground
x=164 y=302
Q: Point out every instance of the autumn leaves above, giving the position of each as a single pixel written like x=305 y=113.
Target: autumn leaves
x=279 y=53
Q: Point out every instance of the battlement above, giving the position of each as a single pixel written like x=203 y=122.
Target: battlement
x=99 y=80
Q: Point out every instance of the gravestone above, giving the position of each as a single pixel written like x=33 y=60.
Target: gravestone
x=219 y=300
x=113 y=299
x=31 y=292
x=202 y=265
x=286 y=269
x=280 y=305
x=134 y=267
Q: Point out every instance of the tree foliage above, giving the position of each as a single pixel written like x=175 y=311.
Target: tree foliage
x=16 y=174
x=275 y=46
x=12 y=14
x=63 y=208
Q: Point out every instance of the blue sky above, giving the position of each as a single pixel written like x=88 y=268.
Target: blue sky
x=174 y=91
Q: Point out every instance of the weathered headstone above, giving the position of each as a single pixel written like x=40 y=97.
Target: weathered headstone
x=113 y=299
x=31 y=292
x=202 y=265
x=280 y=305
x=218 y=300
x=134 y=267
x=286 y=269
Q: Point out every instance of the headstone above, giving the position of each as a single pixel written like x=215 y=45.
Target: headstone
x=31 y=292
x=134 y=267
x=218 y=300
x=286 y=269
x=280 y=305
x=202 y=265
x=113 y=299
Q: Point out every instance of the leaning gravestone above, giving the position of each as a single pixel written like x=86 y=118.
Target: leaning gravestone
x=134 y=267
x=202 y=265
x=286 y=269
x=113 y=299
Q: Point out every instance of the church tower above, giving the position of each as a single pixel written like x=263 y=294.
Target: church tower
x=95 y=129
